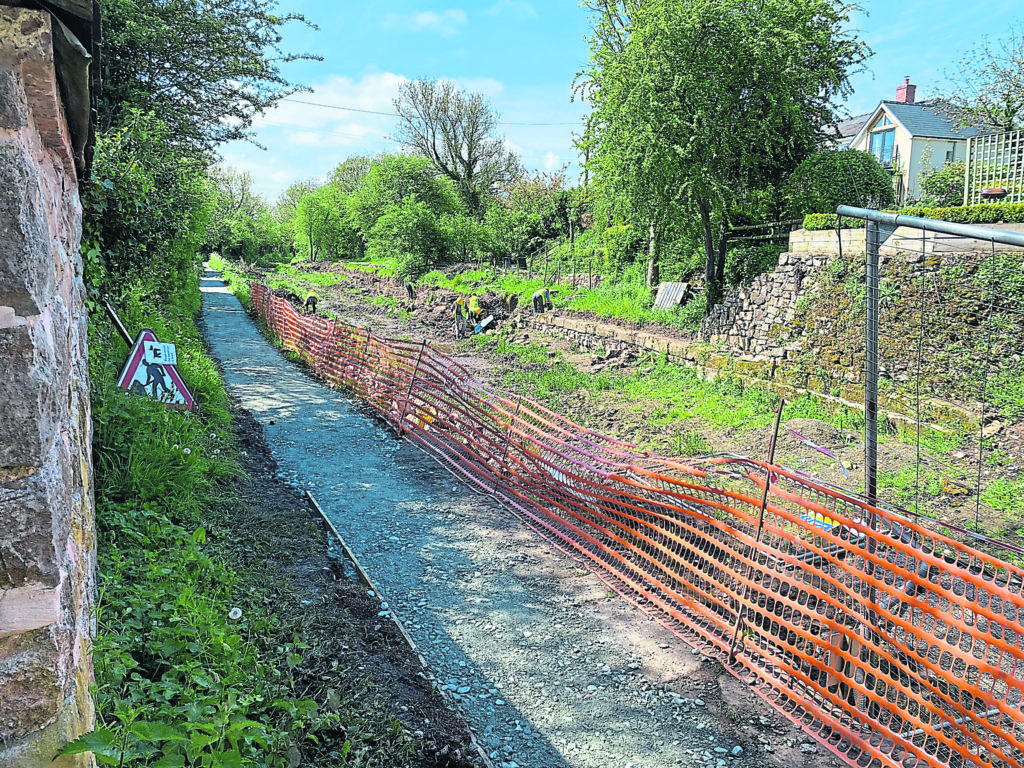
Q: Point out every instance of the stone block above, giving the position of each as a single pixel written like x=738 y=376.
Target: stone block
x=26 y=266
x=30 y=686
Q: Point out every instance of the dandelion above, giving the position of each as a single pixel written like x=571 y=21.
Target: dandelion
x=235 y=614
x=216 y=452
x=186 y=451
x=213 y=435
x=176 y=446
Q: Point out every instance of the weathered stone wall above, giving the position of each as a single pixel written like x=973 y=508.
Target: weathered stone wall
x=751 y=320
x=47 y=541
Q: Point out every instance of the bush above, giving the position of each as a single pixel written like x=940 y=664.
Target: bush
x=408 y=232
x=986 y=213
x=745 y=262
x=826 y=180
x=814 y=222
x=944 y=187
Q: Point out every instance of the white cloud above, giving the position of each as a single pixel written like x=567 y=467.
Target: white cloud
x=551 y=161
x=446 y=23
x=520 y=8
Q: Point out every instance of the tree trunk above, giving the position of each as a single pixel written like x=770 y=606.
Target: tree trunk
x=713 y=284
x=653 y=268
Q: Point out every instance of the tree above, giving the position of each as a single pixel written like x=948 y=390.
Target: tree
x=206 y=68
x=349 y=173
x=410 y=233
x=699 y=105
x=395 y=179
x=832 y=178
x=988 y=87
x=457 y=132
x=319 y=222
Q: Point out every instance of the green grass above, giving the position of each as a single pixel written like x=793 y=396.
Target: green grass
x=1006 y=496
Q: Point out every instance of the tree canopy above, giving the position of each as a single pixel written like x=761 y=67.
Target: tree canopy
x=206 y=68
x=699 y=105
x=988 y=86
x=457 y=132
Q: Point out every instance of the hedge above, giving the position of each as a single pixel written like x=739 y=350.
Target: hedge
x=986 y=213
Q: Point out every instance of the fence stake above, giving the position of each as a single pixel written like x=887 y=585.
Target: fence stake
x=871 y=363
x=741 y=621
x=504 y=451
x=408 y=392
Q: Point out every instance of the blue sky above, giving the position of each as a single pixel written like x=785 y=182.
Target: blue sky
x=523 y=54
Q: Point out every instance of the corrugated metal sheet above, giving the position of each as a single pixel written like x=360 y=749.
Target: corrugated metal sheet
x=671 y=295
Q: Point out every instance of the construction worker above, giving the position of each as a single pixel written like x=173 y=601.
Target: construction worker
x=541 y=301
x=311 y=300
x=475 y=312
x=459 y=313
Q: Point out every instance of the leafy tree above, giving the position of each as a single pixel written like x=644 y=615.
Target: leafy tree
x=206 y=68
x=988 y=86
x=516 y=232
x=317 y=220
x=697 y=104
x=466 y=237
x=395 y=179
x=349 y=173
x=457 y=132
x=410 y=233
x=145 y=201
x=832 y=178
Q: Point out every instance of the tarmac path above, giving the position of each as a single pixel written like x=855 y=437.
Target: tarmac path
x=551 y=669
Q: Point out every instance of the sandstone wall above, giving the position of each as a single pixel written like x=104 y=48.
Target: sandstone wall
x=47 y=540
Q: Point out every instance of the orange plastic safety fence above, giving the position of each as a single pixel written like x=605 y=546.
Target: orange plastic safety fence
x=892 y=643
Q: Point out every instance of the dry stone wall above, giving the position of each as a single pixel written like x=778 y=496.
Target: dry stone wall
x=47 y=539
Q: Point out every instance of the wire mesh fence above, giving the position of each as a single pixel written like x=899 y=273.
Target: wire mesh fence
x=890 y=640
x=949 y=339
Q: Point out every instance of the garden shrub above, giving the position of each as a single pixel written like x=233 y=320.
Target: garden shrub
x=829 y=179
x=744 y=263
x=944 y=187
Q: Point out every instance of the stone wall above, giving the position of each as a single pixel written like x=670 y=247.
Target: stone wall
x=47 y=547
x=751 y=320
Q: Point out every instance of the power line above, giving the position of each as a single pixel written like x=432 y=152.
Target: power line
x=395 y=114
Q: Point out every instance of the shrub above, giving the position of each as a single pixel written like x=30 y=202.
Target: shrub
x=944 y=187
x=986 y=213
x=408 y=232
x=745 y=262
x=827 y=180
x=814 y=222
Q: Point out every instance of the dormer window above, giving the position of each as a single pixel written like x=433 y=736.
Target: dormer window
x=884 y=122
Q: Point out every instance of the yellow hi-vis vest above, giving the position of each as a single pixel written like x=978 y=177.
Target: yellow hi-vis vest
x=474 y=305
x=460 y=304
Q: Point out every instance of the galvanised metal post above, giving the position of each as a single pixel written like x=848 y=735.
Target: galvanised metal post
x=872 y=237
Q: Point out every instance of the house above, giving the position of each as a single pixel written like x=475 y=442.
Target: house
x=908 y=137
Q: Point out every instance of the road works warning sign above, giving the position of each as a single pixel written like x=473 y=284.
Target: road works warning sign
x=150 y=371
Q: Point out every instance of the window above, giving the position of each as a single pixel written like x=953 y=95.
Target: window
x=951 y=152
x=882 y=145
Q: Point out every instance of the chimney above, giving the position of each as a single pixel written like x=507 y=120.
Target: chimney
x=906 y=93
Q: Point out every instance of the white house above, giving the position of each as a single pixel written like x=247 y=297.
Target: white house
x=907 y=137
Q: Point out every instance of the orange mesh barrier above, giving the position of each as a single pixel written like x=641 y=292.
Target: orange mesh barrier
x=890 y=642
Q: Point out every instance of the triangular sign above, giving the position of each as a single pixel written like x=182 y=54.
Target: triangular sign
x=159 y=381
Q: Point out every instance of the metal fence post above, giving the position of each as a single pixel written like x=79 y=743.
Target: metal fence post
x=871 y=362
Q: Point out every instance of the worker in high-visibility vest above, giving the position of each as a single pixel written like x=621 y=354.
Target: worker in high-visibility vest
x=311 y=300
x=459 y=313
x=541 y=301
x=475 y=312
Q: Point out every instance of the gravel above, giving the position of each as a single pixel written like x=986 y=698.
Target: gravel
x=550 y=667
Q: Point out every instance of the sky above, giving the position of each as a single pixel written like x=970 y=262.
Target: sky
x=523 y=55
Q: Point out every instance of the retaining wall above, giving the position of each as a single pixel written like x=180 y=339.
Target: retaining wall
x=47 y=545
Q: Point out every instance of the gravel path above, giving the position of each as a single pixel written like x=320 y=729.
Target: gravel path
x=551 y=669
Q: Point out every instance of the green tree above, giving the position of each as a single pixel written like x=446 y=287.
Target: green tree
x=410 y=233
x=457 y=132
x=318 y=221
x=145 y=201
x=700 y=104
x=832 y=178
x=988 y=86
x=395 y=179
x=206 y=68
